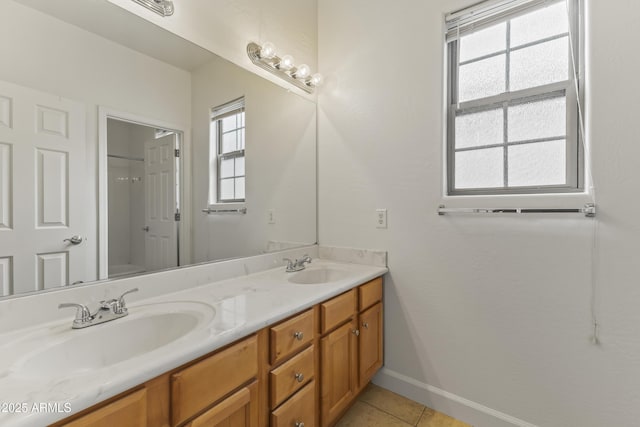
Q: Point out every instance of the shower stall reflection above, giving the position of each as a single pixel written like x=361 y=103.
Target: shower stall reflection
x=142 y=198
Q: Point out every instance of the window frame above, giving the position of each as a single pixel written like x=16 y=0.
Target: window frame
x=575 y=166
x=218 y=114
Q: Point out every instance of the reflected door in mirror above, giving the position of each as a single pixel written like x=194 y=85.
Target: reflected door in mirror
x=42 y=187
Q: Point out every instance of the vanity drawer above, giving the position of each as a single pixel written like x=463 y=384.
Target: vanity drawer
x=130 y=410
x=370 y=293
x=239 y=409
x=301 y=408
x=337 y=310
x=198 y=386
x=291 y=376
x=291 y=335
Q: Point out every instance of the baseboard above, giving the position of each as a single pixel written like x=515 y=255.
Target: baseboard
x=448 y=403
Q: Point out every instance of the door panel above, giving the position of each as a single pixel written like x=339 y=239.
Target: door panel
x=6 y=199
x=51 y=195
x=338 y=371
x=5 y=276
x=53 y=270
x=43 y=189
x=161 y=240
x=370 y=350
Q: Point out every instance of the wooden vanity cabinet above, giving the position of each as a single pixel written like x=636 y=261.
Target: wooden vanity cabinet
x=127 y=411
x=351 y=353
x=306 y=370
x=238 y=410
x=196 y=387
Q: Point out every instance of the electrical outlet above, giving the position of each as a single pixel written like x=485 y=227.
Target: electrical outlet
x=271 y=216
x=381 y=218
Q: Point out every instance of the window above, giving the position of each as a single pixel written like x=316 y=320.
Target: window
x=227 y=142
x=513 y=113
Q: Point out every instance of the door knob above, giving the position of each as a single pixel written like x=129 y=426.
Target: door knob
x=74 y=240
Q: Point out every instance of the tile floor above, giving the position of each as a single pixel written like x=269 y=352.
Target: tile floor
x=377 y=407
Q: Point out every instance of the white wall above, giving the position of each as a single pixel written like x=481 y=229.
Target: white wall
x=226 y=27
x=494 y=310
x=280 y=163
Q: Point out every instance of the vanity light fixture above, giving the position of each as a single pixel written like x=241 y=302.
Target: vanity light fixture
x=265 y=57
x=161 y=7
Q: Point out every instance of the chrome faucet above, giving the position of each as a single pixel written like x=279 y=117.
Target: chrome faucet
x=298 y=264
x=109 y=310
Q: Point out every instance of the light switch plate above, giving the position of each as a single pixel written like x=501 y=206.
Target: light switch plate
x=381 y=218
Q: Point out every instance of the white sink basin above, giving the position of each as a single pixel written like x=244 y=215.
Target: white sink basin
x=145 y=329
x=317 y=276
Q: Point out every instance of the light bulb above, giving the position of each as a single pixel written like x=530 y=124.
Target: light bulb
x=303 y=71
x=268 y=50
x=286 y=63
x=316 y=79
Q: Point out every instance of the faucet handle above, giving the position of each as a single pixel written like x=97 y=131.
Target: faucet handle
x=289 y=263
x=121 y=306
x=82 y=314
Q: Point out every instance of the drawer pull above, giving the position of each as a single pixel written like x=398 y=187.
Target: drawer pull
x=365 y=325
x=356 y=332
x=298 y=335
x=299 y=377
x=299 y=424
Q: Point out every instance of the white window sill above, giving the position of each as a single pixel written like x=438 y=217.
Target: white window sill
x=230 y=205
x=525 y=201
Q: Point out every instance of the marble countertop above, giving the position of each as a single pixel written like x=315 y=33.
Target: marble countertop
x=242 y=306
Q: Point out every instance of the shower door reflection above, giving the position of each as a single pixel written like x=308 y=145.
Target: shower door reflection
x=143 y=207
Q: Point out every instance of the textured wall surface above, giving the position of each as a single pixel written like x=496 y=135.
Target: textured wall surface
x=487 y=318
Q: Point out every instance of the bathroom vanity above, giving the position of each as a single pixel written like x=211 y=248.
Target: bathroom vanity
x=303 y=371
x=271 y=348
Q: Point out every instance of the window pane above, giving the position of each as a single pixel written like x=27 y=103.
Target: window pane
x=479 y=168
x=239 y=166
x=226 y=189
x=542 y=163
x=484 y=128
x=229 y=123
x=229 y=142
x=226 y=168
x=239 y=188
x=483 y=42
x=241 y=139
x=543 y=23
x=483 y=78
x=541 y=119
x=540 y=64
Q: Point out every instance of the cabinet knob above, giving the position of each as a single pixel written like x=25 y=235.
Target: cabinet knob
x=299 y=377
x=356 y=332
x=299 y=424
x=365 y=325
x=298 y=335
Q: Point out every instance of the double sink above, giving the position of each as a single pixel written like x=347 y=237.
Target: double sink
x=62 y=352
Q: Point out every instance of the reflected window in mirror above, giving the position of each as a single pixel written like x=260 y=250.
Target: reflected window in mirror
x=227 y=163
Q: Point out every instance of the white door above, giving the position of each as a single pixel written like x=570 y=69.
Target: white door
x=161 y=237
x=43 y=190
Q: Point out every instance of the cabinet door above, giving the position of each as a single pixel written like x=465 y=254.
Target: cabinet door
x=128 y=411
x=338 y=371
x=198 y=386
x=370 y=349
x=238 y=410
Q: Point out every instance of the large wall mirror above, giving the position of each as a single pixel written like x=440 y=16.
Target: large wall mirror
x=125 y=149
